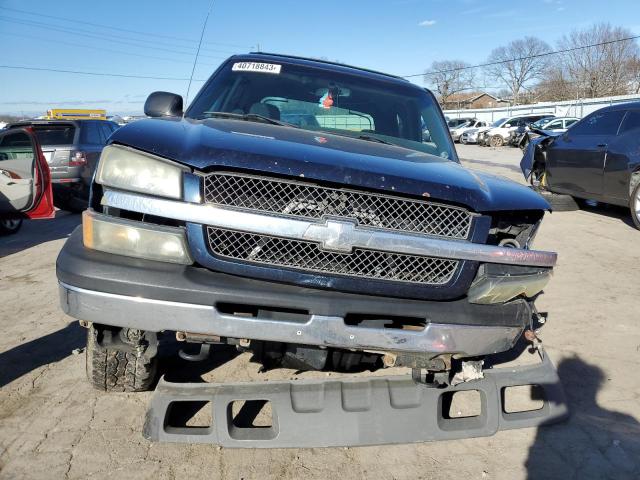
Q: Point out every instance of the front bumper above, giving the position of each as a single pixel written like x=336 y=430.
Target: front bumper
x=148 y=295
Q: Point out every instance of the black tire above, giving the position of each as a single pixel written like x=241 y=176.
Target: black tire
x=111 y=370
x=10 y=226
x=559 y=202
x=634 y=206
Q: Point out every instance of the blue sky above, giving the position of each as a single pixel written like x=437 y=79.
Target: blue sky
x=159 y=38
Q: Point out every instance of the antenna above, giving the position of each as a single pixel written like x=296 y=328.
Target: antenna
x=186 y=101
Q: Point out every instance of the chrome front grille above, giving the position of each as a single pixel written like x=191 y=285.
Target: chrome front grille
x=308 y=256
x=301 y=199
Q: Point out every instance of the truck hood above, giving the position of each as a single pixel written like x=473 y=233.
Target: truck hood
x=211 y=144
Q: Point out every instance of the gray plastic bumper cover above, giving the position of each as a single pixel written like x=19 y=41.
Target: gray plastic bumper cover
x=352 y=412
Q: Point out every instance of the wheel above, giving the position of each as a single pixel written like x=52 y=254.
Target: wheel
x=463 y=140
x=496 y=141
x=634 y=205
x=10 y=226
x=560 y=202
x=116 y=370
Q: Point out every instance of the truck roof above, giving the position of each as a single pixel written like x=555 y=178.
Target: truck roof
x=304 y=61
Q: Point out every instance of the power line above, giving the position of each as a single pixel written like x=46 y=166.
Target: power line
x=136 y=32
x=75 y=32
x=545 y=54
x=62 y=42
x=97 y=74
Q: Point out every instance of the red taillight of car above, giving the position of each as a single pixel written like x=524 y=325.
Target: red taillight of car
x=77 y=159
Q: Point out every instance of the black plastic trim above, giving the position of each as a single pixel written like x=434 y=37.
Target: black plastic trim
x=104 y=272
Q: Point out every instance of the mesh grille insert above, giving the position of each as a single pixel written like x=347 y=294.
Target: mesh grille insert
x=312 y=201
x=308 y=256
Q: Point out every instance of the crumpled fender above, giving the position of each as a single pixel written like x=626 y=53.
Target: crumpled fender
x=542 y=142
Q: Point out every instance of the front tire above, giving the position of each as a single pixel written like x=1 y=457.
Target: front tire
x=116 y=370
x=10 y=226
x=496 y=141
x=634 y=206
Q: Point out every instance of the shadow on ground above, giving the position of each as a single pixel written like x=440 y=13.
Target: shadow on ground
x=605 y=210
x=26 y=357
x=595 y=443
x=35 y=232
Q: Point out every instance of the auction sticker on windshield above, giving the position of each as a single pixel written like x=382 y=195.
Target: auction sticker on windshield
x=256 y=67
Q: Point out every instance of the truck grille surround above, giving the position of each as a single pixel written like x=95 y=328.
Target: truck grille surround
x=300 y=199
x=309 y=256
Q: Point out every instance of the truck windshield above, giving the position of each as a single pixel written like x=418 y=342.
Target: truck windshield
x=327 y=101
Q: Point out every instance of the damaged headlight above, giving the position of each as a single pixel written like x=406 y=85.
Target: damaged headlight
x=130 y=169
x=501 y=283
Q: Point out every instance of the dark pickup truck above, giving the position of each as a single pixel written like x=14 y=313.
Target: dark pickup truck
x=347 y=236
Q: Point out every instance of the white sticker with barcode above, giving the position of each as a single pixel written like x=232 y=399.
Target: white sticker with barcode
x=256 y=67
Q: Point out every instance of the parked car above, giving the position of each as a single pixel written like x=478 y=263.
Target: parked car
x=25 y=182
x=596 y=159
x=498 y=135
x=72 y=149
x=547 y=127
x=313 y=247
x=457 y=132
x=474 y=135
x=456 y=122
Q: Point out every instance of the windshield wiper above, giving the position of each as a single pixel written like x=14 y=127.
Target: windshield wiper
x=371 y=138
x=249 y=117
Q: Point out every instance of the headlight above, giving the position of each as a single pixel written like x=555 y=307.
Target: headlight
x=133 y=170
x=134 y=239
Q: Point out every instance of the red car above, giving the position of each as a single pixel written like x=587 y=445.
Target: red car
x=25 y=180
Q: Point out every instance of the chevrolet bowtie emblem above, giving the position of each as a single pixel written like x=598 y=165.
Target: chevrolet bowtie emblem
x=333 y=235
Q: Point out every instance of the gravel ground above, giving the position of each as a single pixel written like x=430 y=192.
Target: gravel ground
x=53 y=425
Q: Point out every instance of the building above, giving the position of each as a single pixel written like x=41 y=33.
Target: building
x=473 y=100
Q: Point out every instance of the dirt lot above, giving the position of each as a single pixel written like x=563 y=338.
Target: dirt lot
x=53 y=425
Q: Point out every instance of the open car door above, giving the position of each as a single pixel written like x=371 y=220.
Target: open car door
x=25 y=181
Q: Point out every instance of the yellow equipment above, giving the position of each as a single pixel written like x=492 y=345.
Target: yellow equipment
x=75 y=114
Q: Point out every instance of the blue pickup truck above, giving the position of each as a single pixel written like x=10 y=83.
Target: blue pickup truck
x=317 y=215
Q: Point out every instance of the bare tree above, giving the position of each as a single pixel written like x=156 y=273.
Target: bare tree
x=604 y=69
x=634 y=74
x=449 y=77
x=518 y=63
x=555 y=84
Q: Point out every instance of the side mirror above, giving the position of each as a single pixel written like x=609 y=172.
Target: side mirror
x=25 y=180
x=163 y=104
